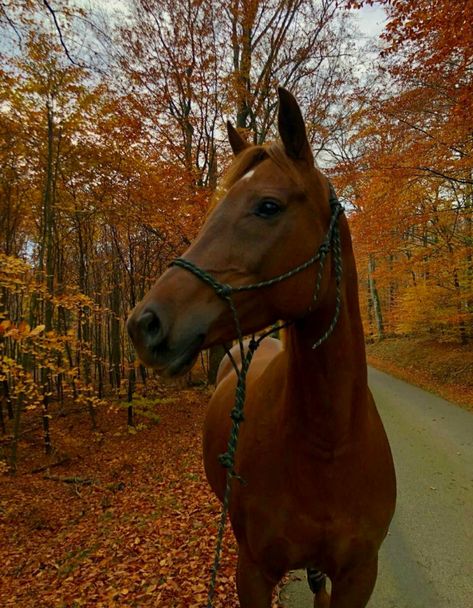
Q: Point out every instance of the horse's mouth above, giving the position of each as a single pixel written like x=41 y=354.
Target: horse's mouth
x=171 y=364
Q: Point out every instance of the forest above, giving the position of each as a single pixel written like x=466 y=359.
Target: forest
x=112 y=144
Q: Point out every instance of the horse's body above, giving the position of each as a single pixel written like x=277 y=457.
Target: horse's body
x=319 y=485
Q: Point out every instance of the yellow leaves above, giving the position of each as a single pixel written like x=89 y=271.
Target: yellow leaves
x=21 y=330
x=4 y=325
x=12 y=266
x=137 y=548
x=37 y=330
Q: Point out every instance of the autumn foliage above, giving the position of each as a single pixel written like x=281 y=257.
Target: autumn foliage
x=108 y=161
x=410 y=178
x=111 y=145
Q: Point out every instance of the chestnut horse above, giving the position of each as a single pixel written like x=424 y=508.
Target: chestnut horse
x=319 y=485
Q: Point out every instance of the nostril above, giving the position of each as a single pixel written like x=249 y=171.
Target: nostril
x=149 y=323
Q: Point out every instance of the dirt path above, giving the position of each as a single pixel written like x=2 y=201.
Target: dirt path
x=427 y=559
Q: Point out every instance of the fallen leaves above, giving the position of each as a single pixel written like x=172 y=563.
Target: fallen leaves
x=142 y=534
x=440 y=367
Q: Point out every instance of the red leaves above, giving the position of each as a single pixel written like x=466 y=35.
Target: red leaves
x=142 y=534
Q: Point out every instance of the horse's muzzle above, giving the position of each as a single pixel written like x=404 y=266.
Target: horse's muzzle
x=147 y=331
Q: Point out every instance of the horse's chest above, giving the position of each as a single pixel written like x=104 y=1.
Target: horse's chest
x=299 y=510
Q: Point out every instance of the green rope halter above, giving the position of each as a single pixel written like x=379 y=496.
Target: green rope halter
x=225 y=291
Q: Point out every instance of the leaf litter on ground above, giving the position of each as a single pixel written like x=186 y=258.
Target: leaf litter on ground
x=142 y=533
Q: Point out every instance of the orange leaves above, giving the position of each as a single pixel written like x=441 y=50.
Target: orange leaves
x=412 y=175
x=23 y=328
x=142 y=534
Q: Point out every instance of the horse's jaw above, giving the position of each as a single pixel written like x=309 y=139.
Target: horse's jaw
x=173 y=362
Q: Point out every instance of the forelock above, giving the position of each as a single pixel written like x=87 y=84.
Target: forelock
x=247 y=160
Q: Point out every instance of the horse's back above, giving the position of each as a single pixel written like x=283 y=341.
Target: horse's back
x=267 y=350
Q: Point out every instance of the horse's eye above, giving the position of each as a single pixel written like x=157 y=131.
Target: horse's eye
x=267 y=208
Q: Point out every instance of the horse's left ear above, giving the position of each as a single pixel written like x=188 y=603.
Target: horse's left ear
x=237 y=142
x=292 y=128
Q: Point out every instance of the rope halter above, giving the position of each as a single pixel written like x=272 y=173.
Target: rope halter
x=224 y=291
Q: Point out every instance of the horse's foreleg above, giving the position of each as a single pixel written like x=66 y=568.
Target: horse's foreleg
x=254 y=588
x=353 y=588
x=322 y=599
x=318 y=585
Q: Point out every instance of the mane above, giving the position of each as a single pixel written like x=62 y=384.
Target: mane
x=248 y=159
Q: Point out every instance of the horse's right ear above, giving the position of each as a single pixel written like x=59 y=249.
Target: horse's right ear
x=236 y=140
x=292 y=128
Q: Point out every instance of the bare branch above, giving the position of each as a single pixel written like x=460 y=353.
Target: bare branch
x=52 y=12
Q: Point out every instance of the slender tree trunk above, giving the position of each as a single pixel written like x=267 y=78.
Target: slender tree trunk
x=86 y=329
x=216 y=354
x=7 y=399
x=16 y=436
x=375 y=298
x=469 y=257
x=99 y=357
x=2 y=419
x=131 y=388
x=461 y=322
x=115 y=345
x=46 y=260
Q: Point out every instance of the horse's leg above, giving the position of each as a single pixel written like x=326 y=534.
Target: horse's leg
x=322 y=599
x=254 y=588
x=353 y=588
x=318 y=585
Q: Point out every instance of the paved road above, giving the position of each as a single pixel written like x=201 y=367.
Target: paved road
x=427 y=559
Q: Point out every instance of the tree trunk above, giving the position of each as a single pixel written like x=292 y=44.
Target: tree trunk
x=16 y=436
x=46 y=260
x=375 y=298
x=216 y=354
x=115 y=345
x=131 y=388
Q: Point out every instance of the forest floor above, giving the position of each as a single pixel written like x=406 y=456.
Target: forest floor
x=440 y=367
x=127 y=520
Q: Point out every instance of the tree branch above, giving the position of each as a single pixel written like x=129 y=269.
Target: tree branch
x=52 y=12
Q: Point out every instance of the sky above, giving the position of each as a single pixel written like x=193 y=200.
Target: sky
x=371 y=20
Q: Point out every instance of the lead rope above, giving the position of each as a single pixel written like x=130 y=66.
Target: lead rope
x=224 y=291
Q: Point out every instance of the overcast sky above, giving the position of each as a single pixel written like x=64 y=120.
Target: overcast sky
x=371 y=20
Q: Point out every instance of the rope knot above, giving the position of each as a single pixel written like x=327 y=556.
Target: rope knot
x=253 y=344
x=226 y=460
x=224 y=290
x=237 y=415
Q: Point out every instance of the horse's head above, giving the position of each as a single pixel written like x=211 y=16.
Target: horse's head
x=272 y=215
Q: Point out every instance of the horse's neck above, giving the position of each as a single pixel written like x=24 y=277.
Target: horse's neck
x=326 y=394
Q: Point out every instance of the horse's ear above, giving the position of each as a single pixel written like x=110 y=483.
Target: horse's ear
x=236 y=140
x=292 y=128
